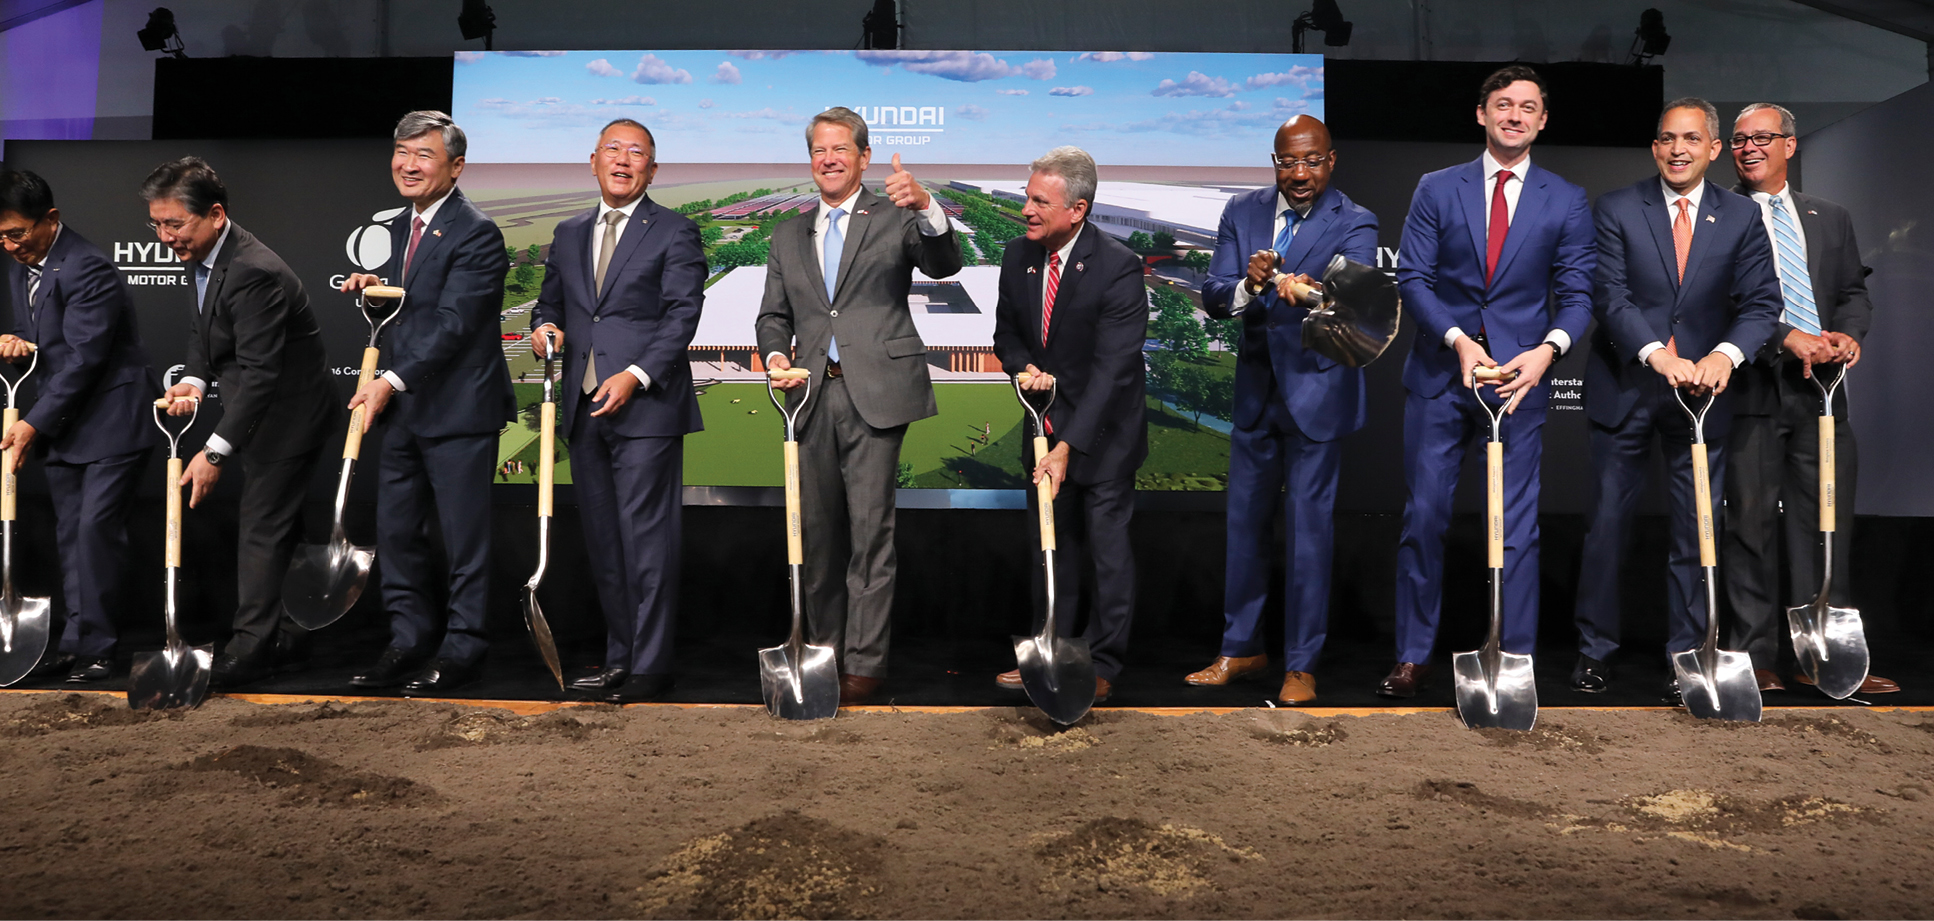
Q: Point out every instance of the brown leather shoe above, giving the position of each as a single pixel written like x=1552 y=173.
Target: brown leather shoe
x=1298 y=688
x=1103 y=688
x=1873 y=685
x=1009 y=680
x=856 y=689
x=1228 y=668
x=1768 y=679
x=1404 y=680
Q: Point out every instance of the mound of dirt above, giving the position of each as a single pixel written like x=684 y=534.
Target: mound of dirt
x=1113 y=853
x=294 y=715
x=78 y=711
x=782 y=866
x=308 y=778
x=495 y=727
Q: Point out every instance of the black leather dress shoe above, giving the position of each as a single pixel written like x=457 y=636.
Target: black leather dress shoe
x=1404 y=680
x=1591 y=675
x=443 y=676
x=59 y=664
x=291 y=647
x=1672 y=694
x=604 y=679
x=231 y=670
x=89 y=669
x=389 y=671
x=640 y=688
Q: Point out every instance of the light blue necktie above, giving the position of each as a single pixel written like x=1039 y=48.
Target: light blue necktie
x=201 y=284
x=1283 y=240
x=1795 y=284
x=834 y=241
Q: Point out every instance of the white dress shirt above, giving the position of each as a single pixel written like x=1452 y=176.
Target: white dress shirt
x=597 y=240
x=1242 y=298
x=1513 y=187
x=427 y=216
x=215 y=443
x=932 y=223
x=1692 y=198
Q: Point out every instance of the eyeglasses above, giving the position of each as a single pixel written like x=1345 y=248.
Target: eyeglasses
x=1289 y=163
x=18 y=235
x=1759 y=140
x=173 y=225
x=614 y=152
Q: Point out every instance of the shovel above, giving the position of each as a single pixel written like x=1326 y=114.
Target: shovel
x=546 y=469
x=1828 y=641
x=1715 y=684
x=1494 y=688
x=176 y=675
x=24 y=621
x=324 y=580
x=1057 y=671
x=798 y=681
x=1353 y=318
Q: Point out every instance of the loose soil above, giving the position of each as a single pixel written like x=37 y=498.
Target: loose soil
x=405 y=809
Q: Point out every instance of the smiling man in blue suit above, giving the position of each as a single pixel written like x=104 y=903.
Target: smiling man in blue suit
x=1293 y=406
x=623 y=286
x=1496 y=263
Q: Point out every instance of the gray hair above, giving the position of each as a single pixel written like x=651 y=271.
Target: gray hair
x=1075 y=168
x=422 y=122
x=1694 y=102
x=839 y=115
x=1787 y=125
x=632 y=123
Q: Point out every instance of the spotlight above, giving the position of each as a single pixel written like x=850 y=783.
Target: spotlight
x=1650 y=40
x=1323 y=17
x=881 y=27
x=160 y=31
x=477 y=20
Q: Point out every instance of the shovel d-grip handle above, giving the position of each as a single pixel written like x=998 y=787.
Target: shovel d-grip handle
x=1828 y=485
x=173 y=545
x=352 y=447
x=1493 y=375
x=382 y=292
x=1702 y=497
x=788 y=374
x=8 y=498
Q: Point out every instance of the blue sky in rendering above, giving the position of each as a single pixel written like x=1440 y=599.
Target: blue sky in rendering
x=1130 y=108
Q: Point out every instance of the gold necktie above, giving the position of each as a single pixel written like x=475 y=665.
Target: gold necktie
x=611 y=221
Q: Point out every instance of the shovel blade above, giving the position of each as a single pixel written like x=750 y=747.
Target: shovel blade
x=170 y=678
x=1721 y=687
x=541 y=636
x=1059 y=675
x=324 y=581
x=24 y=631
x=1504 y=696
x=1831 y=646
x=806 y=688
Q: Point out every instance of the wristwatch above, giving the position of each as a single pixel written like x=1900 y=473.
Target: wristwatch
x=214 y=457
x=1556 y=352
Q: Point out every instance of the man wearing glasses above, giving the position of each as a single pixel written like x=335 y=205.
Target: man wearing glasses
x=623 y=285
x=1497 y=268
x=1776 y=436
x=1292 y=406
x=91 y=414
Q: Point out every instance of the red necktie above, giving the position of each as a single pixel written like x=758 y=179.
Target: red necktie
x=1047 y=295
x=1500 y=225
x=416 y=236
x=1682 y=247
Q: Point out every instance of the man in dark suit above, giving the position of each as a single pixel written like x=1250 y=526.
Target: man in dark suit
x=1776 y=436
x=253 y=332
x=1497 y=267
x=1684 y=269
x=623 y=286
x=1073 y=314
x=1293 y=405
x=452 y=392
x=90 y=414
x=836 y=302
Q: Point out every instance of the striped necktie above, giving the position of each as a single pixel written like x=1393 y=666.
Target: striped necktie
x=1283 y=242
x=1796 y=286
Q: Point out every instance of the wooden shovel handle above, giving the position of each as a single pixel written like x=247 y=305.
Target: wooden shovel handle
x=546 y=459
x=1702 y=497
x=1044 y=495
x=352 y=447
x=383 y=292
x=1494 y=502
x=174 y=513
x=7 y=485
x=795 y=537
x=788 y=374
x=1828 y=486
x=1493 y=375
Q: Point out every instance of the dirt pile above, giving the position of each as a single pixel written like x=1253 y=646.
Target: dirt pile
x=782 y=866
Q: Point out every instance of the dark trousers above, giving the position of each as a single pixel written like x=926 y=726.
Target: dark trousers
x=447 y=479
x=847 y=477
x=1774 y=462
x=1092 y=557
x=271 y=508
x=91 y=506
x=1620 y=457
x=630 y=501
x=1437 y=432
x=1262 y=461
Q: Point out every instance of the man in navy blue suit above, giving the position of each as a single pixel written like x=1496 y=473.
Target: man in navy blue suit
x=90 y=415
x=623 y=286
x=447 y=375
x=1495 y=264
x=1293 y=405
x=1686 y=289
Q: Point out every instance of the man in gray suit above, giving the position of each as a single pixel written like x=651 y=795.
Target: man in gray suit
x=836 y=300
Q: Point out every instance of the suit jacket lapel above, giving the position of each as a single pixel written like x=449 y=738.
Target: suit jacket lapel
x=1072 y=271
x=1532 y=198
x=809 y=252
x=1702 y=236
x=1035 y=279
x=1815 y=231
x=1653 y=201
x=634 y=236
x=1262 y=226
x=1322 y=213
x=432 y=234
x=205 y=311
x=1471 y=194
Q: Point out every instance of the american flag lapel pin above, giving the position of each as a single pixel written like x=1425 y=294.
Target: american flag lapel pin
x=1813 y=212
x=1711 y=220
x=1080 y=267
x=1030 y=270
x=860 y=211
x=436 y=233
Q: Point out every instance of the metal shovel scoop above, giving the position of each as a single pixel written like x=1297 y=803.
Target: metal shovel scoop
x=1354 y=317
x=1715 y=684
x=799 y=681
x=1495 y=689
x=324 y=580
x=1057 y=671
x=177 y=675
x=1829 y=641
x=24 y=621
x=546 y=471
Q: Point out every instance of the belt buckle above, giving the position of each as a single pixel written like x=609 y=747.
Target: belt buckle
x=833 y=371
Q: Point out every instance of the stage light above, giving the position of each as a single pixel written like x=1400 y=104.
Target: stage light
x=1650 y=40
x=160 y=31
x=881 y=26
x=477 y=20
x=1323 y=17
